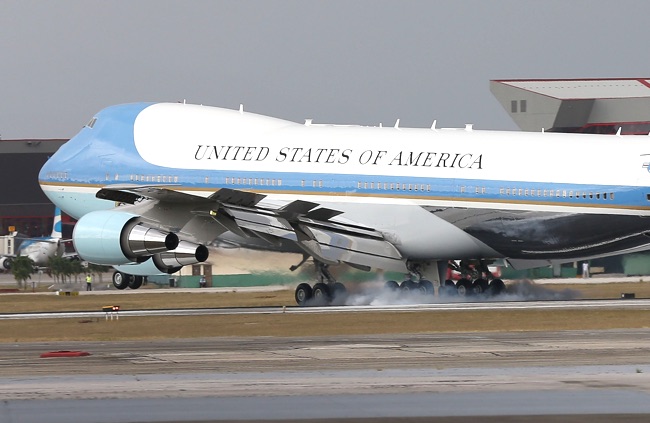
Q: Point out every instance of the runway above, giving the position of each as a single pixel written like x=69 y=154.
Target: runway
x=640 y=304
x=574 y=373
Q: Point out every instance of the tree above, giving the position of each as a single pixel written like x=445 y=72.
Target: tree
x=75 y=268
x=22 y=269
x=57 y=266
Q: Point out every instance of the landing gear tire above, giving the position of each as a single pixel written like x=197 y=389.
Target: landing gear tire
x=497 y=287
x=408 y=286
x=463 y=287
x=339 y=293
x=321 y=294
x=303 y=294
x=121 y=280
x=426 y=287
x=479 y=286
x=391 y=286
x=135 y=282
x=448 y=288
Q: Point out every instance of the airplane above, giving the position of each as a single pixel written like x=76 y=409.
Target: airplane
x=152 y=184
x=41 y=249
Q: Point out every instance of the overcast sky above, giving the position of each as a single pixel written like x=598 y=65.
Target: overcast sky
x=361 y=62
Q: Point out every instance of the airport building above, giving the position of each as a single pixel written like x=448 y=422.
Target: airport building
x=596 y=106
x=23 y=206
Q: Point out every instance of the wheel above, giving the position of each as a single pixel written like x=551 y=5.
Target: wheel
x=303 y=294
x=135 y=282
x=321 y=294
x=448 y=288
x=408 y=286
x=497 y=287
x=339 y=291
x=463 y=287
x=121 y=280
x=479 y=286
x=426 y=287
x=391 y=286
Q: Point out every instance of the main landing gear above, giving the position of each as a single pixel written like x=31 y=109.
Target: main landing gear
x=465 y=287
x=474 y=282
x=478 y=281
x=409 y=286
x=325 y=292
x=124 y=280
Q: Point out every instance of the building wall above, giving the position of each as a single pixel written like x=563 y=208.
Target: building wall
x=22 y=203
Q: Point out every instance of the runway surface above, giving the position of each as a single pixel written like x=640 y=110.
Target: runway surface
x=640 y=304
x=561 y=376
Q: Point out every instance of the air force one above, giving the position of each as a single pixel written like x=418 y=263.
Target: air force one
x=40 y=250
x=153 y=184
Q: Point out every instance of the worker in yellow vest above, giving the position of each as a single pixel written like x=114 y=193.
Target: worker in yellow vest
x=89 y=282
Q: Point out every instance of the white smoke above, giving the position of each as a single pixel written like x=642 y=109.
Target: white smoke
x=375 y=294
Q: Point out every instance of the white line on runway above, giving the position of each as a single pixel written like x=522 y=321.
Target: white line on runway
x=469 y=306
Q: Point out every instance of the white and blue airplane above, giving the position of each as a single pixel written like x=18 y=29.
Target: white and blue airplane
x=153 y=183
x=41 y=249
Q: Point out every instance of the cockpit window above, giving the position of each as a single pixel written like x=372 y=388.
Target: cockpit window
x=92 y=122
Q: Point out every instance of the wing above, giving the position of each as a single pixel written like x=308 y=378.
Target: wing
x=304 y=224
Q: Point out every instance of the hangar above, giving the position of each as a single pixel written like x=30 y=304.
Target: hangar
x=597 y=106
x=22 y=204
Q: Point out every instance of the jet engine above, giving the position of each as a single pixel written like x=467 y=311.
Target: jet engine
x=186 y=253
x=112 y=238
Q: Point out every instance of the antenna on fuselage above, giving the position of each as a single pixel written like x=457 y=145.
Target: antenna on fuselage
x=241 y=108
x=433 y=125
x=397 y=124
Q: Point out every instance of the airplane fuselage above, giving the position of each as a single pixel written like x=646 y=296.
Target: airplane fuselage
x=432 y=193
x=40 y=251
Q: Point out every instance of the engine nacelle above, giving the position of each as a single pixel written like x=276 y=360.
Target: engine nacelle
x=112 y=238
x=186 y=253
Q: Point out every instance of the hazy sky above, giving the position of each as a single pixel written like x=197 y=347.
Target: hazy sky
x=348 y=61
